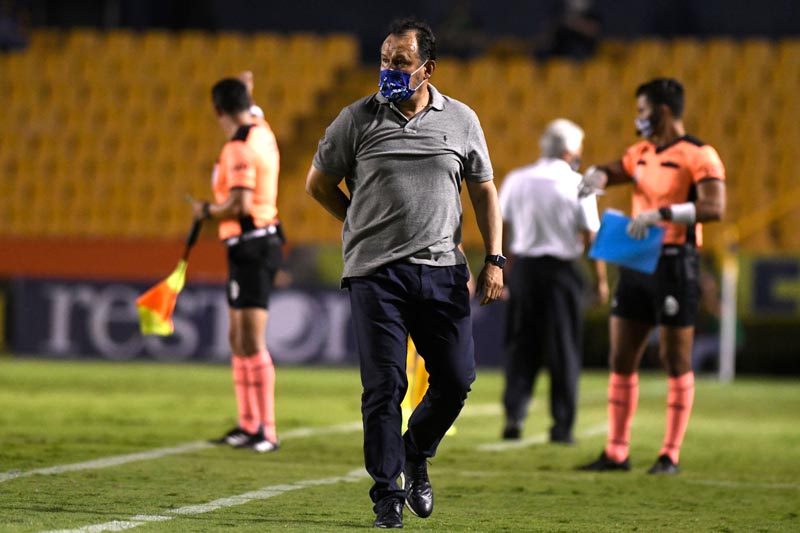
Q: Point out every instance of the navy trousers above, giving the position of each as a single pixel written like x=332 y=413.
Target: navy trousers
x=432 y=305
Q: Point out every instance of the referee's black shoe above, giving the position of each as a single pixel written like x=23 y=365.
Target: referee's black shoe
x=235 y=437
x=664 y=465
x=605 y=464
x=389 y=513
x=419 y=494
x=258 y=442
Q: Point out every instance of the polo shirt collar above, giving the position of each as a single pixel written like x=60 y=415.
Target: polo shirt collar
x=437 y=100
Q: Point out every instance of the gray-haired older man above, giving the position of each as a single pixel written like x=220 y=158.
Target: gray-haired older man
x=547 y=226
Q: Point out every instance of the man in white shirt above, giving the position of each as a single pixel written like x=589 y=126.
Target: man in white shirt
x=547 y=228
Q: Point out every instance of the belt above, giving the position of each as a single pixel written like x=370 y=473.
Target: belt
x=272 y=229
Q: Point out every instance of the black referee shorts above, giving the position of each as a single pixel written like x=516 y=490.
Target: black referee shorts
x=668 y=297
x=252 y=265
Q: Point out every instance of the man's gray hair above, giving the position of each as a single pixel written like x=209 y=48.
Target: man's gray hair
x=560 y=136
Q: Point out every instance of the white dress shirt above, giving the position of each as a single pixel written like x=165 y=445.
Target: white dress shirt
x=540 y=202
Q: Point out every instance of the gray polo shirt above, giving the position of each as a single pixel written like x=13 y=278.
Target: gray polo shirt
x=404 y=178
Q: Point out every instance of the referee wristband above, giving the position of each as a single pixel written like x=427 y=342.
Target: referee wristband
x=685 y=213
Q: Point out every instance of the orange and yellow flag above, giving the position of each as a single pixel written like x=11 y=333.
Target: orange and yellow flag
x=157 y=304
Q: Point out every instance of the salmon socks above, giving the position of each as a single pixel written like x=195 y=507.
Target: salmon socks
x=680 y=398
x=245 y=399
x=254 y=384
x=623 y=396
x=261 y=374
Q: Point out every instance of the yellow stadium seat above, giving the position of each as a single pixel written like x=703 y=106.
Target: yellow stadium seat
x=684 y=59
x=481 y=73
x=340 y=49
x=45 y=40
x=786 y=71
x=722 y=50
x=519 y=73
x=191 y=44
x=119 y=43
x=561 y=72
x=131 y=123
x=83 y=40
x=157 y=43
x=304 y=46
x=753 y=69
x=647 y=52
x=265 y=50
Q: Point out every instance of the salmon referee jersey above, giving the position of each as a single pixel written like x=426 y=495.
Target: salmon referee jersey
x=668 y=175
x=250 y=160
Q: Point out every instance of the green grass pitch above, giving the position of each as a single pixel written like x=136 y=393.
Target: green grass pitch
x=740 y=460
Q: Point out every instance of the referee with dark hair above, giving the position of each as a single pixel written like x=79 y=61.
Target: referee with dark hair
x=547 y=226
x=678 y=183
x=245 y=184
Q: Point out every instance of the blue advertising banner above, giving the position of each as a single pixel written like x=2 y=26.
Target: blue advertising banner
x=76 y=318
x=769 y=287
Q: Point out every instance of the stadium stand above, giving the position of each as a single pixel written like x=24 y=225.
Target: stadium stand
x=104 y=132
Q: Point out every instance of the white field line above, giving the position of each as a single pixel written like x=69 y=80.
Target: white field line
x=298 y=433
x=743 y=484
x=599 y=429
x=651 y=389
x=577 y=476
x=164 y=452
x=222 y=503
x=106 y=461
x=470 y=410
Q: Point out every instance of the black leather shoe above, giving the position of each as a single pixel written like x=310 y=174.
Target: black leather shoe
x=604 y=464
x=561 y=437
x=389 y=513
x=512 y=432
x=419 y=494
x=664 y=465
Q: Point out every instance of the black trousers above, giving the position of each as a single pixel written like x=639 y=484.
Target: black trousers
x=544 y=326
x=432 y=305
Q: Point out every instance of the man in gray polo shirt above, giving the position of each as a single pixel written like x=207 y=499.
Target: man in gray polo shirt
x=404 y=153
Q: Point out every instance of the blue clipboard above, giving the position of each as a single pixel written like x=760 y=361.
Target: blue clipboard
x=612 y=244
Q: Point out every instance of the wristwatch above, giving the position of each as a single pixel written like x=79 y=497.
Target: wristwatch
x=497 y=260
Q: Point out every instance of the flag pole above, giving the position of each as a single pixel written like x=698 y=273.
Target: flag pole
x=191 y=238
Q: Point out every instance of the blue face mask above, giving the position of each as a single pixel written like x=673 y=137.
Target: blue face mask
x=646 y=127
x=393 y=84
